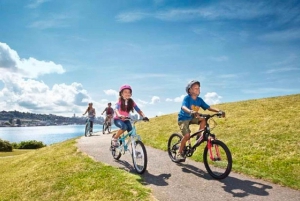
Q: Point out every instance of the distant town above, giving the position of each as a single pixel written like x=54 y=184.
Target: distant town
x=25 y=119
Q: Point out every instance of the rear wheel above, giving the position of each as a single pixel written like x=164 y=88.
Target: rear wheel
x=139 y=158
x=114 y=151
x=220 y=165
x=173 y=146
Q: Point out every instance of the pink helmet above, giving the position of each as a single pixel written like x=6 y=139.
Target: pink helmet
x=125 y=87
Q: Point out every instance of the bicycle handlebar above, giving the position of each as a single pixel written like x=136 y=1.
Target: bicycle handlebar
x=207 y=116
x=144 y=119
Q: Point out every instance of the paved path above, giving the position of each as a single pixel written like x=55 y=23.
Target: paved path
x=188 y=180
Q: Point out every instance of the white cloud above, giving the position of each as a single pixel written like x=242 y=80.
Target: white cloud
x=131 y=16
x=29 y=68
x=176 y=100
x=179 y=99
x=212 y=98
x=155 y=99
x=111 y=92
x=35 y=96
x=36 y=3
x=23 y=92
x=280 y=70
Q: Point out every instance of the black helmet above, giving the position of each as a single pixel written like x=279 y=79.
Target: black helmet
x=190 y=85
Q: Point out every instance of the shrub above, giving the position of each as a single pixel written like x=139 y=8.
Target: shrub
x=31 y=144
x=5 y=146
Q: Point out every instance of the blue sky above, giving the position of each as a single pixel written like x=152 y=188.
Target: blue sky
x=58 y=55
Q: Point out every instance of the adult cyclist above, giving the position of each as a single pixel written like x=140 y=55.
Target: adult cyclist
x=109 y=113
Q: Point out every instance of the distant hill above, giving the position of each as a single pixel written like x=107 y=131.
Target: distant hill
x=16 y=116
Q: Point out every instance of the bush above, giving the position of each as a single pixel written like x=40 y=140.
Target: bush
x=5 y=146
x=31 y=144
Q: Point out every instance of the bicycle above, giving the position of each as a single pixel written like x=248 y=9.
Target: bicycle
x=88 y=130
x=107 y=125
x=137 y=151
x=216 y=155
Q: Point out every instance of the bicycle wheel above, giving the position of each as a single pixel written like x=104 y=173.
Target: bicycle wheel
x=109 y=128
x=140 y=159
x=114 y=152
x=103 y=129
x=173 y=146
x=87 y=130
x=220 y=166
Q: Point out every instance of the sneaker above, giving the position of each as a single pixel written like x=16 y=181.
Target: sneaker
x=180 y=157
x=115 y=142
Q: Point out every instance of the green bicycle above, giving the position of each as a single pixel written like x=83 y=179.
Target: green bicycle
x=134 y=145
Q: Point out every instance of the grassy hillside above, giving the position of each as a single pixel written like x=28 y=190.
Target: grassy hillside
x=59 y=172
x=263 y=136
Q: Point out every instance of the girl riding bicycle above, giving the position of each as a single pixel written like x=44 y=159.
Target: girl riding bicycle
x=189 y=113
x=124 y=106
x=91 y=114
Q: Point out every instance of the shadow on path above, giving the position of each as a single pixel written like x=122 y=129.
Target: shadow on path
x=236 y=187
x=157 y=180
x=242 y=188
x=187 y=168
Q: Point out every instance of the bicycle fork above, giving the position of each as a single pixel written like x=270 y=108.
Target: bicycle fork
x=212 y=148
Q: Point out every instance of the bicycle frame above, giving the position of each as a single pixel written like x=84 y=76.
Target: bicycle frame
x=124 y=145
x=207 y=136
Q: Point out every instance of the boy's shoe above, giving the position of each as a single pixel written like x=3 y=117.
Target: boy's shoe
x=180 y=157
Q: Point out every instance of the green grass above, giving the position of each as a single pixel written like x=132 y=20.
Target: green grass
x=263 y=136
x=15 y=152
x=60 y=172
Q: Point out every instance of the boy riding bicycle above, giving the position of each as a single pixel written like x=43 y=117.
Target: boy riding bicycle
x=189 y=113
x=109 y=113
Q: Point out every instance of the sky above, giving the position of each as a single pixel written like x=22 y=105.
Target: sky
x=58 y=55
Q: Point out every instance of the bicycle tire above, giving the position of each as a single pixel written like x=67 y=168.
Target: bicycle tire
x=116 y=155
x=86 y=131
x=220 y=167
x=109 y=129
x=103 y=129
x=141 y=156
x=173 y=146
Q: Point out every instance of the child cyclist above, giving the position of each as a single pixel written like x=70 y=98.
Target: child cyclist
x=124 y=106
x=189 y=114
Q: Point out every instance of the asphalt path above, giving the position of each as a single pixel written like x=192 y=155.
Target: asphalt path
x=188 y=180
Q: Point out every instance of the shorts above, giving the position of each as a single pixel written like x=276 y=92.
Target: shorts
x=185 y=125
x=123 y=125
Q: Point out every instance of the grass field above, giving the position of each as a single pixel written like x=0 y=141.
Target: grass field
x=60 y=172
x=263 y=136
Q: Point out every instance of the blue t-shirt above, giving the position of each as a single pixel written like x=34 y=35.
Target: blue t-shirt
x=192 y=104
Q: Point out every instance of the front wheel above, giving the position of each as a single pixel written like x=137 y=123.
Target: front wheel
x=173 y=146
x=114 y=151
x=139 y=157
x=109 y=128
x=103 y=128
x=217 y=160
x=87 y=130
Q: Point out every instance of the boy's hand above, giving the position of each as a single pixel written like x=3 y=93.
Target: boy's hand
x=221 y=113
